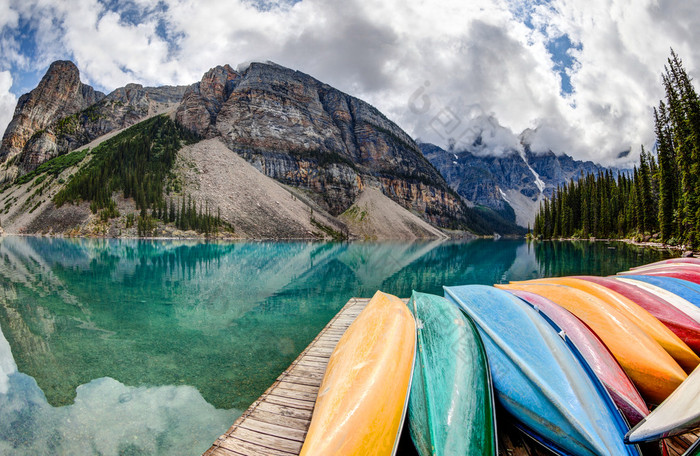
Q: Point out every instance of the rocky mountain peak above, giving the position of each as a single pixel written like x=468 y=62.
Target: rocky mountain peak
x=59 y=94
x=306 y=134
x=202 y=101
x=513 y=182
x=62 y=113
x=289 y=126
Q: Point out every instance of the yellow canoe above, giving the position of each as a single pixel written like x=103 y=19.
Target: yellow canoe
x=675 y=347
x=655 y=373
x=362 y=399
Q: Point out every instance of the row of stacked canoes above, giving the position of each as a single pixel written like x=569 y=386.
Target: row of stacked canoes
x=578 y=362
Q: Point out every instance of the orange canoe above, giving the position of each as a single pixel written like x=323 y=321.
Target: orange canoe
x=655 y=373
x=363 y=396
x=675 y=347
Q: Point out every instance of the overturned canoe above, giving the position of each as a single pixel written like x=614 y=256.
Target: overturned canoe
x=450 y=410
x=678 y=302
x=677 y=272
x=690 y=260
x=602 y=362
x=361 y=401
x=687 y=329
x=654 y=372
x=675 y=347
x=669 y=266
x=538 y=377
x=683 y=288
x=678 y=414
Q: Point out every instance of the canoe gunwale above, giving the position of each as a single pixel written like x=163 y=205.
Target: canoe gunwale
x=408 y=391
x=421 y=363
x=605 y=394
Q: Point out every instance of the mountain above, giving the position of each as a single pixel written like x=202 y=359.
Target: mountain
x=512 y=183
x=59 y=94
x=62 y=114
x=325 y=150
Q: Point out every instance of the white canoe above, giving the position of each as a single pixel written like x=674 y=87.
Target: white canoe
x=678 y=414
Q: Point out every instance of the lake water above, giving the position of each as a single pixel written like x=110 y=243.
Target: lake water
x=126 y=347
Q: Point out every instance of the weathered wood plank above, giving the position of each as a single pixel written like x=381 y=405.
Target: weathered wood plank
x=265 y=441
x=302 y=380
x=292 y=394
x=288 y=402
x=300 y=424
x=275 y=430
x=296 y=387
x=283 y=410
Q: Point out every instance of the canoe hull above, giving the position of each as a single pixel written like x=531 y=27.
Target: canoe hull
x=673 y=345
x=689 y=291
x=538 y=379
x=450 y=410
x=677 y=415
x=670 y=261
x=676 y=273
x=654 y=372
x=596 y=354
x=362 y=398
x=680 y=303
x=687 y=329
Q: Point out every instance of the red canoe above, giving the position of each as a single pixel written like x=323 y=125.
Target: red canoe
x=671 y=261
x=678 y=272
x=689 y=267
x=594 y=351
x=682 y=325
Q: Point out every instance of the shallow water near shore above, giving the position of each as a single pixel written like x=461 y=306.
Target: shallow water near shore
x=155 y=347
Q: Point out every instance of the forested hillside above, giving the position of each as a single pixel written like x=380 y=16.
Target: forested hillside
x=661 y=198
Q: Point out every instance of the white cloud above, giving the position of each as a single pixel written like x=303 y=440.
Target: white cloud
x=476 y=55
x=8 y=16
x=7 y=364
x=7 y=100
x=109 y=418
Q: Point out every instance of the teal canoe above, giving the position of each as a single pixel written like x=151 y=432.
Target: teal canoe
x=451 y=405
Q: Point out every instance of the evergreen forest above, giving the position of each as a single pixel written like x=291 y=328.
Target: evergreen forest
x=659 y=199
x=138 y=163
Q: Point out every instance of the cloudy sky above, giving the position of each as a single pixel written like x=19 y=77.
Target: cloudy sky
x=583 y=75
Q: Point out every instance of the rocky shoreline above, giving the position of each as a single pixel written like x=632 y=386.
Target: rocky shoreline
x=686 y=252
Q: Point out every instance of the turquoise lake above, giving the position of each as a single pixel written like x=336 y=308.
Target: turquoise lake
x=127 y=347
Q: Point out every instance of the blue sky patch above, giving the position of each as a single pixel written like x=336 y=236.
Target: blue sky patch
x=558 y=47
x=563 y=60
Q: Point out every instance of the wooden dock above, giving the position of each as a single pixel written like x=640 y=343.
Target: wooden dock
x=277 y=422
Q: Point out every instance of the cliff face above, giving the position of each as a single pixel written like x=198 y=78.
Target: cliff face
x=59 y=94
x=309 y=135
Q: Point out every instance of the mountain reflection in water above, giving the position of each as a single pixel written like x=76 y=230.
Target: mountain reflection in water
x=154 y=347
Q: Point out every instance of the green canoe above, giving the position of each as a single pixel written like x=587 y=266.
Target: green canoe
x=450 y=410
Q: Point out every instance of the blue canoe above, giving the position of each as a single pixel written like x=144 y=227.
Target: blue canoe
x=540 y=377
x=687 y=290
x=451 y=407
